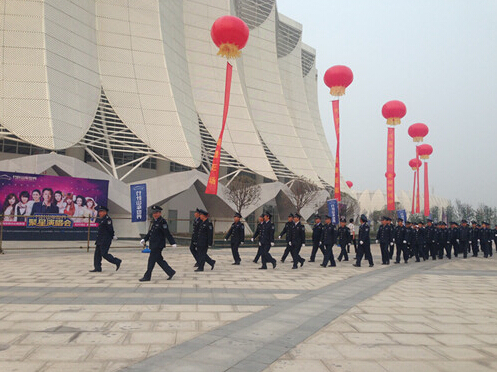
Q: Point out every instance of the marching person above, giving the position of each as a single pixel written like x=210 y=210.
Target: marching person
x=158 y=233
x=288 y=233
x=464 y=237
x=317 y=237
x=351 y=227
x=474 y=238
x=267 y=241
x=400 y=241
x=297 y=240
x=237 y=233
x=193 y=242
x=328 y=241
x=343 y=238
x=204 y=241
x=105 y=234
x=383 y=237
x=430 y=235
x=364 y=247
x=257 y=233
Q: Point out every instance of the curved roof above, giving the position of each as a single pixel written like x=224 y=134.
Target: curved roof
x=49 y=71
x=144 y=73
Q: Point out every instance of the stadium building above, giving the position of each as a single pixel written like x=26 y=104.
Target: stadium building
x=132 y=92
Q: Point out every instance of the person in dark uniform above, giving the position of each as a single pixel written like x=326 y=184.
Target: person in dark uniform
x=464 y=237
x=352 y=236
x=490 y=239
x=193 y=242
x=157 y=235
x=237 y=233
x=287 y=232
x=399 y=234
x=317 y=237
x=383 y=237
x=267 y=241
x=453 y=238
x=391 y=243
x=474 y=238
x=329 y=238
x=419 y=241
x=494 y=236
x=105 y=234
x=205 y=240
x=485 y=235
x=409 y=239
x=257 y=233
x=430 y=237
x=364 y=247
x=297 y=240
x=343 y=239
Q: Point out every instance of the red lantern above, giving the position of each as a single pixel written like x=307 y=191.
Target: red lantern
x=393 y=111
x=230 y=34
x=425 y=151
x=415 y=163
x=418 y=131
x=349 y=184
x=337 y=78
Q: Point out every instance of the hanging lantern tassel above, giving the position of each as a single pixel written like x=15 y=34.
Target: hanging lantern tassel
x=229 y=51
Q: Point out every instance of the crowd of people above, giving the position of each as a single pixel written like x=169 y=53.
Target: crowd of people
x=46 y=201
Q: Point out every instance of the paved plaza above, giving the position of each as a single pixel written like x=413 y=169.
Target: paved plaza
x=429 y=316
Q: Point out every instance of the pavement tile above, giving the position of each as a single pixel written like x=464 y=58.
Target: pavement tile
x=298 y=366
x=60 y=353
x=120 y=352
x=342 y=365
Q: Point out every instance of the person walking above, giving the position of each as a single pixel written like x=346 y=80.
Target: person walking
x=105 y=235
x=343 y=238
x=329 y=238
x=317 y=237
x=205 y=240
x=298 y=241
x=287 y=232
x=237 y=233
x=267 y=241
x=157 y=235
x=364 y=248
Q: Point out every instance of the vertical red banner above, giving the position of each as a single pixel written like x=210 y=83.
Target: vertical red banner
x=391 y=169
x=336 y=119
x=214 y=175
x=427 y=192
x=418 y=208
x=413 y=193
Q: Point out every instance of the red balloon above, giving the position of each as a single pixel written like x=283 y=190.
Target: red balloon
x=349 y=184
x=337 y=78
x=230 y=34
x=393 y=111
x=415 y=163
x=425 y=151
x=418 y=131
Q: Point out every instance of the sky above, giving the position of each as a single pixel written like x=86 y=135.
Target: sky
x=439 y=57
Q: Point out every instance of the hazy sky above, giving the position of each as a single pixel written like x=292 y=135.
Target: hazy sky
x=439 y=57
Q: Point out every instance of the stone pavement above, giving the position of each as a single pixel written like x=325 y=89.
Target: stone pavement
x=56 y=316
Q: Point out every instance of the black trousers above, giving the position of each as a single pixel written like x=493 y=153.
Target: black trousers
x=296 y=255
x=364 y=250
x=288 y=250
x=103 y=251
x=385 y=254
x=432 y=249
x=474 y=246
x=258 y=254
x=203 y=257
x=156 y=257
x=328 y=256
x=266 y=256
x=401 y=249
x=441 y=247
x=464 y=247
x=193 y=250
x=343 y=252
x=315 y=247
x=234 y=251
x=392 y=247
x=484 y=248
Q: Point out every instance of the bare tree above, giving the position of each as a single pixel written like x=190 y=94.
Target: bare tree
x=243 y=191
x=303 y=191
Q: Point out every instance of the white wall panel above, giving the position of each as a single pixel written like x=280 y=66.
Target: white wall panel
x=142 y=68
x=207 y=75
x=290 y=67
x=49 y=46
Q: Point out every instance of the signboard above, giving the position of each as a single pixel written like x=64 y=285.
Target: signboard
x=138 y=202
x=43 y=207
x=333 y=210
x=402 y=214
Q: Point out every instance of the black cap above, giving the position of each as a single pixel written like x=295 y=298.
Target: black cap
x=197 y=210
x=103 y=208
x=351 y=220
x=267 y=214
x=297 y=215
x=400 y=220
x=156 y=208
x=262 y=215
x=201 y=211
x=343 y=219
x=238 y=215
x=474 y=222
x=327 y=217
x=290 y=215
x=464 y=221
x=364 y=218
x=317 y=217
x=384 y=218
x=429 y=220
x=421 y=223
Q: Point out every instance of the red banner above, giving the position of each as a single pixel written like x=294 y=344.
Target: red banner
x=418 y=208
x=391 y=169
x=336 y=119
x=427 y=192
x=413 y=192
x=214 y=175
